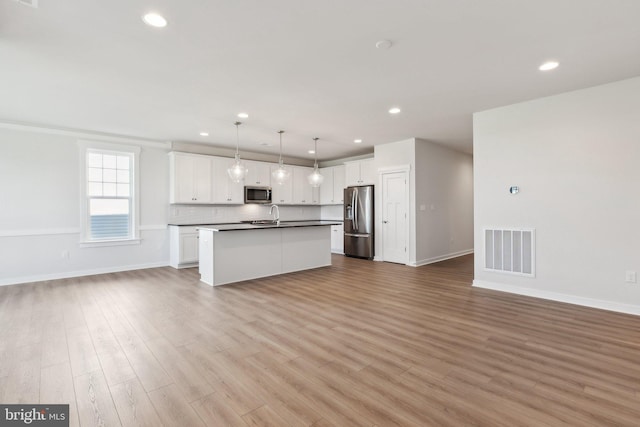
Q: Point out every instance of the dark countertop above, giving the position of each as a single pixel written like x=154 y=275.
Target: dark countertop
x=203 y=224
x=284 y=224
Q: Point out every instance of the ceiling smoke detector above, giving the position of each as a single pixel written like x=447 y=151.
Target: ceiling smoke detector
x=30 y=3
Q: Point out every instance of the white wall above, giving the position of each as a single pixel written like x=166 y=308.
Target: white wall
x=576 y=159
x=443 y=202
x=40 y=215
x=441 y=198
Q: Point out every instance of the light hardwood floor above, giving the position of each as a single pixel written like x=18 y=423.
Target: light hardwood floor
x=357 y=344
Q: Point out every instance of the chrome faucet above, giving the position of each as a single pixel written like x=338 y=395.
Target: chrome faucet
x=277 y=218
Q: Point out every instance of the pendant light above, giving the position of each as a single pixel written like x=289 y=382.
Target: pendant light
x=237 y=171
x=280 y=175
x=315 y=178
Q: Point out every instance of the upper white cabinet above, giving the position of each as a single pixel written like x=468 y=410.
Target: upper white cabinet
x=259 y=173
x=190 y=178
x=360 y=172
x=225 y=191
x=332 y=189
x=303 y=192
x=200 y=179
x=282 y=193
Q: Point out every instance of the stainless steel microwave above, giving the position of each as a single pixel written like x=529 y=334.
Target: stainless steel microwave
x=257 y=194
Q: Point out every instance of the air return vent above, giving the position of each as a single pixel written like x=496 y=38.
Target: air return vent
x=30 y=3
x=508 y=250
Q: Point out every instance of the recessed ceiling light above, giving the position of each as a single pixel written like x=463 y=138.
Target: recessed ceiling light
x=204 y=133
x=549 y=65
x=394 y=110
x=384 y=44
x=312 y=152
x=357 y=141
x=155 y=20
x=243 y=115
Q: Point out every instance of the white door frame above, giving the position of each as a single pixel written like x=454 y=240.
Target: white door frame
x=389 y=170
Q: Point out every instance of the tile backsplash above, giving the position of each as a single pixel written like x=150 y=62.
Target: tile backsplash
x=190 y=214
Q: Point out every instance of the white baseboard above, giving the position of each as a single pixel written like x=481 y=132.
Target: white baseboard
x=555 y=296
x=78 y=273
x=440 y=258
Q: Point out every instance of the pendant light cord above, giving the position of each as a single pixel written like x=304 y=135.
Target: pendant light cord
x=315 y=164
x=280 y=132
x=237 y=137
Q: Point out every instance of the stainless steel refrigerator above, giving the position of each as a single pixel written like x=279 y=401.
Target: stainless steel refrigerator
x=358 y=221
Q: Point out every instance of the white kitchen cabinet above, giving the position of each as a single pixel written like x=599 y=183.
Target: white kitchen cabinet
x=339 y=185
x=189 y=178
x=360 y=172
x=303 y=192
x=225 y=191
x=332 y=189
x=183 y=246
x=259 y=173
x=337 y=239
x=282 y=193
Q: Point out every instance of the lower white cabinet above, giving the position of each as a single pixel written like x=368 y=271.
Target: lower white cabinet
x=337 y=239
x=183 y=246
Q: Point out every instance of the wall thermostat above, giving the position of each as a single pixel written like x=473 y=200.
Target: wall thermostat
x=514 y=189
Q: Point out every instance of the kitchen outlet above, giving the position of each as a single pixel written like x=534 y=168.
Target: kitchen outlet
x=631 y=277
x=65 y=254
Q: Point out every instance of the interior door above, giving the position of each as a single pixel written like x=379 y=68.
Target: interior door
x=394 y=217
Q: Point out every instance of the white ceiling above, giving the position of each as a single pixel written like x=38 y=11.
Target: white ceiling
x=308 y=67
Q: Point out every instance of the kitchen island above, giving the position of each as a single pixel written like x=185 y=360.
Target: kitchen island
x=232 y=253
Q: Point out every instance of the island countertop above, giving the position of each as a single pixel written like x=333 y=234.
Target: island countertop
x=250 y=226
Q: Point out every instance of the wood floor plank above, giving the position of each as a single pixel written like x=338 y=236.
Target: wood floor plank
x=133 y=405
x=215 y=410
x=22 y=385
x=93 y=397
x=187 y=376
x=56 y=386
x=82 y=354
x=173 y=408
x=264 y=416
x=54 y=344
x=116 y=367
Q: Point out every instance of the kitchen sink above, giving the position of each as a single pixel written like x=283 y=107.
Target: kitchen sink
x=260 y=222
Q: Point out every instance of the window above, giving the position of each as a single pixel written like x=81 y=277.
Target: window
x=109 y=207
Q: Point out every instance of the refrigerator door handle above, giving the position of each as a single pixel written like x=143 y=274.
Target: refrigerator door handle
x=356 y=235
x=355 y=209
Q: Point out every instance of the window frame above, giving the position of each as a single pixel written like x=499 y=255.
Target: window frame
x=85 y=147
